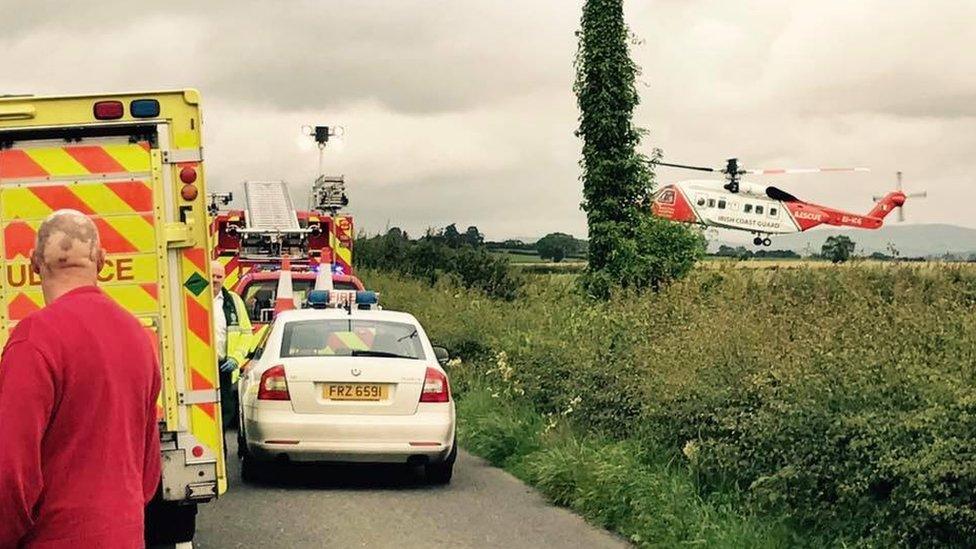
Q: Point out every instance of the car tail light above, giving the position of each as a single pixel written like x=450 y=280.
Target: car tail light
x=436 y=388
x=109 y=110
x=273 y=385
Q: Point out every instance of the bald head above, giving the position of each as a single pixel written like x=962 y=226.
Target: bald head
x=67 y=253
x=67 y=240
x=217 y=274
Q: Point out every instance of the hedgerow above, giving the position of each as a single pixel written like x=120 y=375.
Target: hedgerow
x=841 y=399
x=431 y=258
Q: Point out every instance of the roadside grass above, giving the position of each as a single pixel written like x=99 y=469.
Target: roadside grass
x=809 y=406
x=619 y=486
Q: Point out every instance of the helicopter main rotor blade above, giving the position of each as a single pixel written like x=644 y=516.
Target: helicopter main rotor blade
x=686 y=167
x=780 y=171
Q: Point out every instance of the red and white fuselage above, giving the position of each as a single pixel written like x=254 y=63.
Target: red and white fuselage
x=759 y=209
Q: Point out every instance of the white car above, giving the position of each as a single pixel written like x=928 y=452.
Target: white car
x=347 y=385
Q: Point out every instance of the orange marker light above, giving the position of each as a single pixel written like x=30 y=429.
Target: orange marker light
x=189 y=193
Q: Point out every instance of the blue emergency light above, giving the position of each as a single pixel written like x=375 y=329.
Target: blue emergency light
x=318 y=299
x=144 y=108
x=367 y=297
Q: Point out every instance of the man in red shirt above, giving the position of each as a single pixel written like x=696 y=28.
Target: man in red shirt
x=79 y=447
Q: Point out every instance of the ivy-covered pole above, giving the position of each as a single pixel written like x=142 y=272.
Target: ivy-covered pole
x=616 y=178
x=626 y=246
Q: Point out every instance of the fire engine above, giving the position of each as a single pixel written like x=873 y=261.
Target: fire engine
x=253 y=243
x=133 y=163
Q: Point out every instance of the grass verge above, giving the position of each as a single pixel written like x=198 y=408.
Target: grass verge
x=617 y=485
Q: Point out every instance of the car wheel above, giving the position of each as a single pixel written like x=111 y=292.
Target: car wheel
x=241 y=444
x=441 y=473
x=251 y=470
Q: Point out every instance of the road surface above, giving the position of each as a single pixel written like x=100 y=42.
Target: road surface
x=346 y=506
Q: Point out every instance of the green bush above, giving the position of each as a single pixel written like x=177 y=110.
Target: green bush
x=842 y=398
x=430 y=259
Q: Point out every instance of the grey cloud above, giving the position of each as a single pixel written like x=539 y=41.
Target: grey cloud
x=409 y=55
x=463 y=111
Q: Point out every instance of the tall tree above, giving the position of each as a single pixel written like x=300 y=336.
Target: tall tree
x=451 y=236
x=556 y=246
x=837 y=248
x=473 y=236
x=626 y=246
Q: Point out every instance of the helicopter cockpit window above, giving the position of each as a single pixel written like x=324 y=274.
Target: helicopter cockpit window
x=711 y=202
x=747 y=208
x=759 y=210
x=773 y=212
x=700 y=201
x=721 y=204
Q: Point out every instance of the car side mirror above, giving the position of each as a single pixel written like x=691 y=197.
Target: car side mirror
x=442 y=355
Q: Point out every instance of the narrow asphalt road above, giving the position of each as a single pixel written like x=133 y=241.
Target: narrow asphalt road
x=378 y=506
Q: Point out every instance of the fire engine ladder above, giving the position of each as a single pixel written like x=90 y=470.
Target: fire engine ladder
x=272 y=222
x=269 y=208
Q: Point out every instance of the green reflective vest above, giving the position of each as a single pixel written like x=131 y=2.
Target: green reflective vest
x=239 y=333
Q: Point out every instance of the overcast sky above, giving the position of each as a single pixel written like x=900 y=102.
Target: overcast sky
x=463 y=111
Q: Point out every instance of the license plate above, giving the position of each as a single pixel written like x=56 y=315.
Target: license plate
x=355 y=391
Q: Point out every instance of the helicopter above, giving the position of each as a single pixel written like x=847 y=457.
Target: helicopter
x=760 y=209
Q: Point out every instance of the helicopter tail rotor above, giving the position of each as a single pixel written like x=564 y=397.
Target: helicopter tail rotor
x=898 y=187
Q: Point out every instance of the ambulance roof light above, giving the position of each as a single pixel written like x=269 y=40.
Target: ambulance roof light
x=108 y=110
x=144 y=108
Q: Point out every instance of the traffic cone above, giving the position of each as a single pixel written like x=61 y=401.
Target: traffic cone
x=323 y=279
x=285 y=297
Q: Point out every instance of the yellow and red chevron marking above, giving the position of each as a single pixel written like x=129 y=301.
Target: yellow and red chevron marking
x=121 y=234
x=90 y=198
x=204 y=417
x=46 y=162
x=359 y=339
x=138 y=299
x=154 y=341
x=340 y=240
x=232 y=270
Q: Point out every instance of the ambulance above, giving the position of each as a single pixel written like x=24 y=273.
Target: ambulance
x=133 y=162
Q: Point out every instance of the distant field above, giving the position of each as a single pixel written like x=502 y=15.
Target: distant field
x=519 y=258
x=535 y=264
x=523 y=257
x=721 y=262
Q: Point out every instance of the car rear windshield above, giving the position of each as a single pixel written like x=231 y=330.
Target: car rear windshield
x=351 y=337
x=259 y=296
